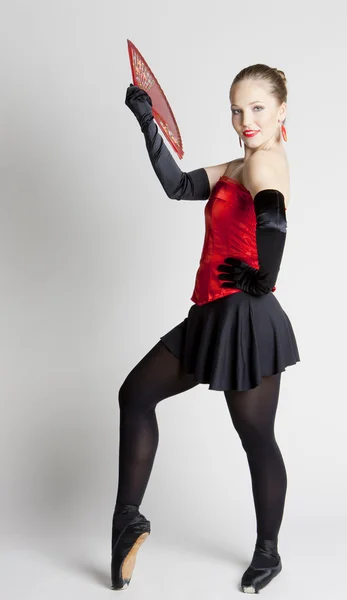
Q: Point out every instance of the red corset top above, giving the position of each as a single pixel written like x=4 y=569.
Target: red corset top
x=230 y=222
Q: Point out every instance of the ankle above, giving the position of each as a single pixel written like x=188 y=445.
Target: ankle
x=268 y=545
x=121 y=509
x=265 y=553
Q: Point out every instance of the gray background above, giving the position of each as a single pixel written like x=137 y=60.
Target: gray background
x=97 y=263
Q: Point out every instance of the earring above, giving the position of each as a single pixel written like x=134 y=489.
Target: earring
x=284 y=132
x=240 y=141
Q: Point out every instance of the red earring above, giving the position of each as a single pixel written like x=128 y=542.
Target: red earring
x=284 y=132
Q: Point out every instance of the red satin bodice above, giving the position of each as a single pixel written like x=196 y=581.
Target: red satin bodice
x=230 y=231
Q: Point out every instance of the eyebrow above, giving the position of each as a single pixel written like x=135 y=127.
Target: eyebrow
x=250 y=102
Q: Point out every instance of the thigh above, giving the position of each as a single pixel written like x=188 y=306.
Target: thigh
x=158 y=375
x=254 y=411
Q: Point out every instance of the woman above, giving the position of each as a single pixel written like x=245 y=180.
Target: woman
x=236 y=337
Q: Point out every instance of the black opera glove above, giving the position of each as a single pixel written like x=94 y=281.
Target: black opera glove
x=178 y=185
x=140 y=103
x=271 y=231
x=242 y=276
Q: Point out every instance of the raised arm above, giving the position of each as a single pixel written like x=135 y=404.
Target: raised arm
x=178 y=185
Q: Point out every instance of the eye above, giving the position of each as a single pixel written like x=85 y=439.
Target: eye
x=234 y=110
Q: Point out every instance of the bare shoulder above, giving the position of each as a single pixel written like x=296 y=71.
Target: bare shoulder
x=267 y=170
x=215 y=172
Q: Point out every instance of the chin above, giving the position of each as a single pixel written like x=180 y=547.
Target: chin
x=252 y=143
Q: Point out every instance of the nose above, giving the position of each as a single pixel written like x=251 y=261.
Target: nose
x=245 y=123
x=248 y=124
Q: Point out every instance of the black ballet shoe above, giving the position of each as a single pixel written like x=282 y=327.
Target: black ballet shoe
x=256 y=578
x=125 y=545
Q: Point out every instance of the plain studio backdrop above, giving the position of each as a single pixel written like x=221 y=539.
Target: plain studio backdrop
x=97 y=263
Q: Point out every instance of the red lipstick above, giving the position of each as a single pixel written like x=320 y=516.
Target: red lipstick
x=250 y=133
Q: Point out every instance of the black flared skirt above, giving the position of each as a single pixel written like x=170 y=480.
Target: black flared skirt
x=234 y=341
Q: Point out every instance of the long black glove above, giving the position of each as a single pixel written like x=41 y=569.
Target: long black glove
x=271 y=232
x=177 y=185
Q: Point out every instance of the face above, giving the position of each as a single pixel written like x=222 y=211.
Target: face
x=254 y=108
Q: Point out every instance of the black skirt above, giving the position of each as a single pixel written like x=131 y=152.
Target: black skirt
x=234 y=341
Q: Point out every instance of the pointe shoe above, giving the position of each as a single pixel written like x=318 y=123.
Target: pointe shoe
x=254 y=579
x=125 y=549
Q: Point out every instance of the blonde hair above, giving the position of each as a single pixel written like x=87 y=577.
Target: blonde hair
x=277 y=82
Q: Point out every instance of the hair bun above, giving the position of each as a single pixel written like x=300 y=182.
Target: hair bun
x=281 y=73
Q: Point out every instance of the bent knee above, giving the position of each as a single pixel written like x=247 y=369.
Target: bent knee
x=134 y=398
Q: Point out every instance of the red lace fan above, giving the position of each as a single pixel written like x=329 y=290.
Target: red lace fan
x=143 y=77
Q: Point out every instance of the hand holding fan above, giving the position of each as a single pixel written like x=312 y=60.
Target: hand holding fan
x=144 y=78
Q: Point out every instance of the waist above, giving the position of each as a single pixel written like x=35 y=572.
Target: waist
x=208 y=286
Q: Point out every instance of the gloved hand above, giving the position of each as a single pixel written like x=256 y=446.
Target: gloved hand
x=242 y=276
x=178 y=185
x=139 y=102
x=271 y=231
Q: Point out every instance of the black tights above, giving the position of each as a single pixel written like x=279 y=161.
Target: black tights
x=159 y=375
